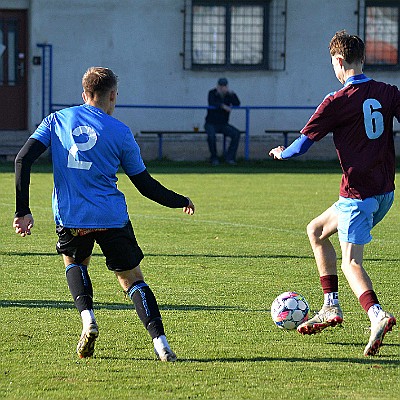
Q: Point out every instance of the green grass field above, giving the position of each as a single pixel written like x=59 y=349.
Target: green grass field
x=215 y=276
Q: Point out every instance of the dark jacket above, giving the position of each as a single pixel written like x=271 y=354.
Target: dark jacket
x=219 y=115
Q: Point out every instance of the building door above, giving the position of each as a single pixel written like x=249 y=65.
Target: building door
x=13 y=70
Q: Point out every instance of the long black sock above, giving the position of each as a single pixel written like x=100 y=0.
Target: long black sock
x=80 y=286
x=147 y=308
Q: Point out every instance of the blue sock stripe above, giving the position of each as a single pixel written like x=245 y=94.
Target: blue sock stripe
x=139 y=287
x=68 y=267
x=84 y=272
x=136 y=287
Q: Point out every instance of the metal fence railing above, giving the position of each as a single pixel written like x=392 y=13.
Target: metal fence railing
x=48 y=106
x=246 y=109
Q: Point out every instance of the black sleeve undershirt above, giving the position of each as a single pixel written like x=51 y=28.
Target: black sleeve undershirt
x=154 y=190
x=29 y=153
x=144 y=182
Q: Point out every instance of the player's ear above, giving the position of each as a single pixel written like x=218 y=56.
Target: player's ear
x=340 y=60
x=113 y=95
x=84 y=97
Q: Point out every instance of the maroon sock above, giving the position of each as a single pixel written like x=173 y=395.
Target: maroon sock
x=329 y=283
x=368 y=299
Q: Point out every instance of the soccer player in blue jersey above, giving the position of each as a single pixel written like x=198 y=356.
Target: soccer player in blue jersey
x=360 y=115
x=88 y=147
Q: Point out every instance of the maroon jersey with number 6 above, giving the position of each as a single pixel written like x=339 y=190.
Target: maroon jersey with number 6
x=360 y=116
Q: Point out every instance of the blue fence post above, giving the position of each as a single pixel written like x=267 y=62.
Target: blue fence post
x=50 y=46
x=47 y=78
x=247 y=137
x=43 y=77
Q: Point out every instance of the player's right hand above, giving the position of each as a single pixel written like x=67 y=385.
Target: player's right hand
x=189 y=209
x=23 y=225
x=276 y=153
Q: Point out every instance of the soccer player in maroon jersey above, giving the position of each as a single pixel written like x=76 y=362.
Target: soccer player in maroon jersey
x=360 y=116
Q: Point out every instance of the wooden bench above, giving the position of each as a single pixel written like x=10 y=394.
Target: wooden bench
x=160 y=135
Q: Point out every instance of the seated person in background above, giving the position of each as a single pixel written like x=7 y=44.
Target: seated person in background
x=217 y=121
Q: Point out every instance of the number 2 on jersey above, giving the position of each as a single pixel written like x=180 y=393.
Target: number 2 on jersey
x=73 y=159
x=373 y=119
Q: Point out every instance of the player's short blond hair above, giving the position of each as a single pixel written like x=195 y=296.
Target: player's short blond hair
x=350 y=47
x=99 y=80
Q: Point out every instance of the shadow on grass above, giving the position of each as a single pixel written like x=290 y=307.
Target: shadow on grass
x=69 y=305
x=229 y=255
x=373 y=362
x=237 y=256
x=30 y=254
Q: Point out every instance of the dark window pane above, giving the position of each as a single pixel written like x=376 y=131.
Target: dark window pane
x=2 y=53
x=12 y=52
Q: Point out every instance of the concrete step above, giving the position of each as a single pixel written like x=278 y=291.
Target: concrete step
x=11 y=142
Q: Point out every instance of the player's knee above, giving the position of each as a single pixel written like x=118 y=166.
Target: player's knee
x=352 y=264
x=355 y=264
x=313 y=232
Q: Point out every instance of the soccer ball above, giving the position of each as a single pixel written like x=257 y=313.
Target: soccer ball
x=289 y=310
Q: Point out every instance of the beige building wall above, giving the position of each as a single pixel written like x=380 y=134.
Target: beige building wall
x=142 y=41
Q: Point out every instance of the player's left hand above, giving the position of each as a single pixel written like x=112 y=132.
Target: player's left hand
x=189 y=209
x=23 y=225
x=276 y=153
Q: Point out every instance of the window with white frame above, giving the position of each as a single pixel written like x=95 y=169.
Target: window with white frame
x=381 y=28
x=235 y=34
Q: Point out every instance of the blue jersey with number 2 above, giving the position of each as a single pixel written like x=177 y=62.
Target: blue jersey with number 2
x=88 y=146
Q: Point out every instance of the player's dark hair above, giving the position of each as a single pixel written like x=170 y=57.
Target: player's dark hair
x=350 y=47
x=99 y=79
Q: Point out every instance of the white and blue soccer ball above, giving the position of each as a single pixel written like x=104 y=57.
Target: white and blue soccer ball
x=289 y=310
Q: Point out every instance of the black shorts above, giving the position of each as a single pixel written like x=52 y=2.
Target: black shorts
x=118 y=245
